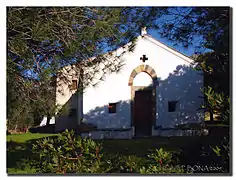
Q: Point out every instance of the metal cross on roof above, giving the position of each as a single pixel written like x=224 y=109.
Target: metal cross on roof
x=143 y=58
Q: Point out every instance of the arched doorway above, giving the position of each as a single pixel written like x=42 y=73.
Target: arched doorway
x=143 y=102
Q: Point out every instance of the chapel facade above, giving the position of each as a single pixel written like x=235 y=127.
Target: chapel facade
x=156 y=90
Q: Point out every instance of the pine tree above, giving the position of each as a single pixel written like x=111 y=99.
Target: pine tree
x=42 y=40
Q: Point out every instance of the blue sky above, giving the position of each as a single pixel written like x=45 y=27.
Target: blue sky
x=172 y=19
x=187 y=51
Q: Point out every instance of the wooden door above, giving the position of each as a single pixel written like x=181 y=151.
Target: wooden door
x=143 y=113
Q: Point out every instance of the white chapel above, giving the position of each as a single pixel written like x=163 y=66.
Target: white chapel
x=156 y=90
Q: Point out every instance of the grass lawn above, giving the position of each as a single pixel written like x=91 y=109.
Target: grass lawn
x=23 y=138
x=19 y=148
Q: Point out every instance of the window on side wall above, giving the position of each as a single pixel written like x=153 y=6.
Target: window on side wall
x=74 y=85
x=172 y=106
x=112 y=108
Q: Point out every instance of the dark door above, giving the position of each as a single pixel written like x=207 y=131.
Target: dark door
x=143 y=113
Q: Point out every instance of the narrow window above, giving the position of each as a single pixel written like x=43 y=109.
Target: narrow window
x=172 y=106
x=74 y=85
x=112 y=107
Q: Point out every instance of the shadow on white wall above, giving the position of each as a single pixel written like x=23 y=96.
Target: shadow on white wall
x=100 y=116
x=182 y=85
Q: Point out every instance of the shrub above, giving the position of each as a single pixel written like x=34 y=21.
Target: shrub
x=161 y=157
x=70 y=154
x=125 y=164
x=161 y=162
x=222 y=151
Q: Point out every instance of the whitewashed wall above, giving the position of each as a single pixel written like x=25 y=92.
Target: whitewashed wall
x=67 y=98
x=184 y=86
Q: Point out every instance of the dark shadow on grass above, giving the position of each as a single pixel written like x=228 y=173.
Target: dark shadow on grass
x=199 y=156
x=48 y=129
x=20 y=155
x=189 y=151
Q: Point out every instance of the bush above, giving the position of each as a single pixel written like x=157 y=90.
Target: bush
x=161 y=162
x=70 y=154
x=124 y=164
x=222 y=151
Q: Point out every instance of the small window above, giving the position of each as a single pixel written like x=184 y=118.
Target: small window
x=172 y=106
x=74 y=85
x=112 y=108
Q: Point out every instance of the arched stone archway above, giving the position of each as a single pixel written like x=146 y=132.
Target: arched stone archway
x=143 y=68
x=150 y=92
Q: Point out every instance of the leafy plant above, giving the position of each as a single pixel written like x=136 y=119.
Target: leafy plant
x=161 y=170
x=161 y=162
x=216 y=150
x=125 y=164
x=217 y=102
x=160 y=156
x=43 y=40
x=69 y=153
x=223 y=152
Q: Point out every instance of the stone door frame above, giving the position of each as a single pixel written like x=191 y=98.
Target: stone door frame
x=151 y=72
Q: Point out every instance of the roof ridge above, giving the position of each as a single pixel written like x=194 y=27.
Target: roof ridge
x=148 y=35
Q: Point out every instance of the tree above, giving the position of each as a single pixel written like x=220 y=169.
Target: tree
x=44 y=39
x=216 y=82
x=41 y=40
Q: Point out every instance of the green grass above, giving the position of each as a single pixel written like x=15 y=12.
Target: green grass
x=23 y=138
x=19 y=152
x=28 y=170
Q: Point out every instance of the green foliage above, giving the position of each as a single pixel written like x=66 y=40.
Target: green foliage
x=217 y=102
x=216 y=150
x=215 y=67
x=23 y=138
x=161 y=162
x=223 y=152
x=42 y=40
x=69 y=153
x=131 y=164
x=152 y=169
x=124 y=164
x=20 y=158
x=160 y=156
